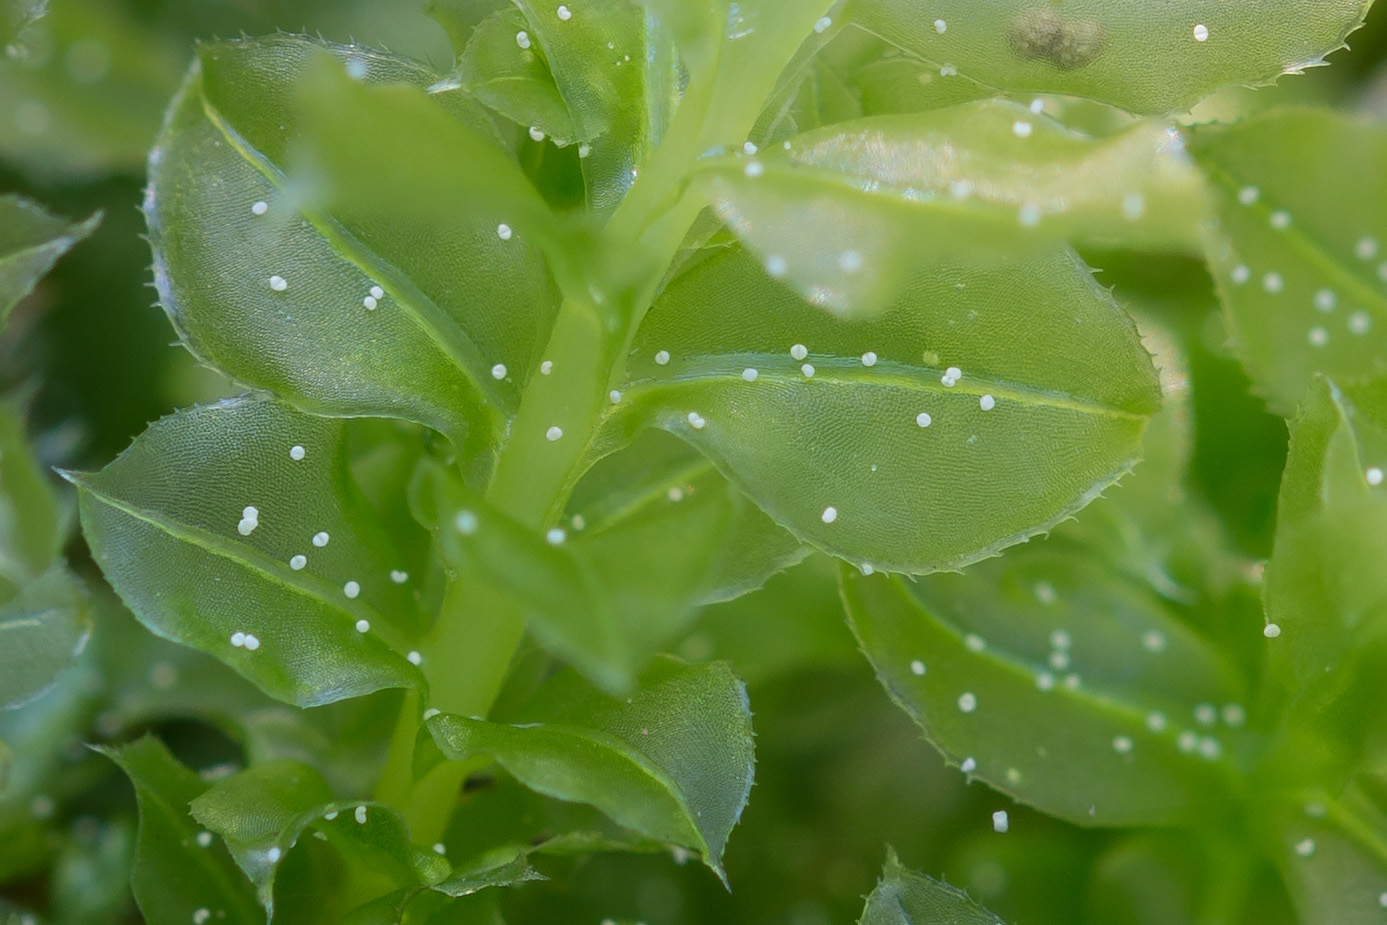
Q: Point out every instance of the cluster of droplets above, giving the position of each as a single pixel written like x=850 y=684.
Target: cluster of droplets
x=1324 y=300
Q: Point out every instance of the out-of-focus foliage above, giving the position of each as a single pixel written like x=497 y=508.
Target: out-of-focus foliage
x=602 y=358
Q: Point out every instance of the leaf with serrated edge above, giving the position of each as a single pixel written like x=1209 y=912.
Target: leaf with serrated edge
x=31 y=241
x=168 y=522
x=840 y=459
x=1325 y=588
x=903 y=897
x=1147 y=58
x=849 y=212
x=41 y=630
x=673 y=761
x=1299 y=251
x=1069 y=688
x=175 y=874
x=284 y=300
x=262 y=812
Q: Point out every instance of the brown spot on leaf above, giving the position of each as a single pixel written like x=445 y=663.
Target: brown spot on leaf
x=1040 y=33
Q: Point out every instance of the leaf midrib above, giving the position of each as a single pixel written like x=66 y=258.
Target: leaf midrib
x=254 y=561
x=849 y=372
x=437 y=325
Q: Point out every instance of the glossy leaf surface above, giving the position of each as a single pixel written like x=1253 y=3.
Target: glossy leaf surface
x=1332 y=857
x=841 y=454
x=312 y=268
x=903 y=897
x=672 y=762
x=177 y=878
x=1066 y=687
x=512 y=80
x=1147 y=59
x=1299 y=255
x=170 y=522
x=848 y=213
x=31 y=241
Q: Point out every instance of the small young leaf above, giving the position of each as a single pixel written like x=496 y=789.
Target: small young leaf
x=262 y=812
x=858 y=439
x=658 y=470
x=903 y=897
x=619 y=80
x=1300 y=254
x=304 y=604
x=1326 y=592
x=31 y=241
x=354 y=279
x=41 y=630
x=513 y=80
x=1060 y=684
x=177 y=878
x=673 y=762
x=848 y=213
x=1148 y=59
x=604 y=597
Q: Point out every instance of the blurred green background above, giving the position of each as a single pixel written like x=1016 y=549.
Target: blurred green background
x=841 y=772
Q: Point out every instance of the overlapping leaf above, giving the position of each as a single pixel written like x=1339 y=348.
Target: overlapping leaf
x=847 y=213
x=672 y=762
x=514 y=81
x=903 y=897
x=31 y=241
x=234 y=528
x=888 y=464
x=1326 y=592
x=1150 y=58
x=1300 y=254
x=608 y=595
x=1059 y=683
x=261 y=813
x=351 y=255
x=177 y=878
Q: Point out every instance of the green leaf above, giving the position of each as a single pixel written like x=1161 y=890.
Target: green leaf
x=1298 y=255
x=642 y=482
x=41 y=630
x=840 y=459
x=672 y=762
x=170 y=523
x=1332 y=855
x=369 y=283
x=847 y=214
x=31 y=241
x=176 y=875
x=1150 y=59
x=264 y=811
x=606 y=596
x=1325 y=590
x=512 y=80
x=903 y=897
x=1059 y=683
x=619 y=79
x=31 y=522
